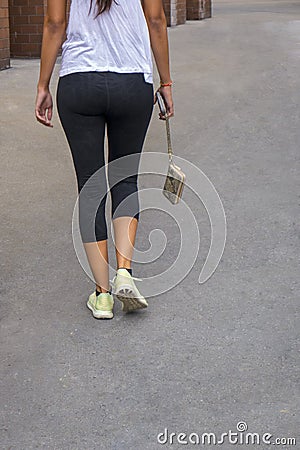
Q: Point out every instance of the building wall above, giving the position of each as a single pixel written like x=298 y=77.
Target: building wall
x=175 y=11
x=198 y=9
x=4 y=35
x=26 y=19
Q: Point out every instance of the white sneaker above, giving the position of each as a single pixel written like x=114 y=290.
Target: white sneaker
x=124 y=288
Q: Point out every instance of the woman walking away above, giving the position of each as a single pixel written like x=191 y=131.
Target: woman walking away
x=105 y=83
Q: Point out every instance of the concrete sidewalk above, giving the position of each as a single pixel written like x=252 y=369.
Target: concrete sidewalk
x=201 y=358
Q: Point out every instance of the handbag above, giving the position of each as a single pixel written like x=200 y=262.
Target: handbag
x=175 y=177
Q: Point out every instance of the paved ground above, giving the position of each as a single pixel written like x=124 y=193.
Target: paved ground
x=202 y=357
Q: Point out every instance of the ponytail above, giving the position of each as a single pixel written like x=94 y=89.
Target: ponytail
x=103 y=5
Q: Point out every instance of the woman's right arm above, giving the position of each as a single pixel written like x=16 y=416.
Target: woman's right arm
x=157 y=25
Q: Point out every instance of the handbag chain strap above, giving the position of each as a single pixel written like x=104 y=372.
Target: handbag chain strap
x=170 y=151
x=164 y=113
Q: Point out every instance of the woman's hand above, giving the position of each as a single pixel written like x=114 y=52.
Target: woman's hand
x=166 y=93
x=44 y=107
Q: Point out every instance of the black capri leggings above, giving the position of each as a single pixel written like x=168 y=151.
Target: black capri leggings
x=86 y=103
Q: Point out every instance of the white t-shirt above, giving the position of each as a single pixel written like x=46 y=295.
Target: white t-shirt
x=116 y=41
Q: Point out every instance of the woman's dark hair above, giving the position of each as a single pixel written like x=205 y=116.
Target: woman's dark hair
x=103 y=5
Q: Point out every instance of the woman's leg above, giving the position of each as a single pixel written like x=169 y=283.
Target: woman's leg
x=128 y=118
x=81 y=109
x=125 y=231
x=97 y=255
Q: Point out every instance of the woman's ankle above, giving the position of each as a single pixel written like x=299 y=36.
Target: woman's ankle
x=100 y=290
x=127 y=268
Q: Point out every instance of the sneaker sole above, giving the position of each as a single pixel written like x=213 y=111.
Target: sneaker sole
x=129 y=301
x=100 y=314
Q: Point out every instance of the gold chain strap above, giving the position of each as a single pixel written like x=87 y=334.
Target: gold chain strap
x=164 y=113
x=170 y=151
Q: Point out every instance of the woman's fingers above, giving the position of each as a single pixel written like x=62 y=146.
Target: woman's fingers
x=50 y=109
x=170 y=112
x=44 y=108
x=40 y=115
x=168 y=100
x=42 y=118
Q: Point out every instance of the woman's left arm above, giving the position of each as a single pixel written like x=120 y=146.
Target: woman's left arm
x=54 y=33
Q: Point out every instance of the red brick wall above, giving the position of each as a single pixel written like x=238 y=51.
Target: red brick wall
x=198 y=9
x=175 y=11
x=26 y=19
x=4 y=35
x=181 y=11
x=207 y=9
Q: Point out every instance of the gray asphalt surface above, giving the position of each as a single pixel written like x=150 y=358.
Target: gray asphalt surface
x=201 y=358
